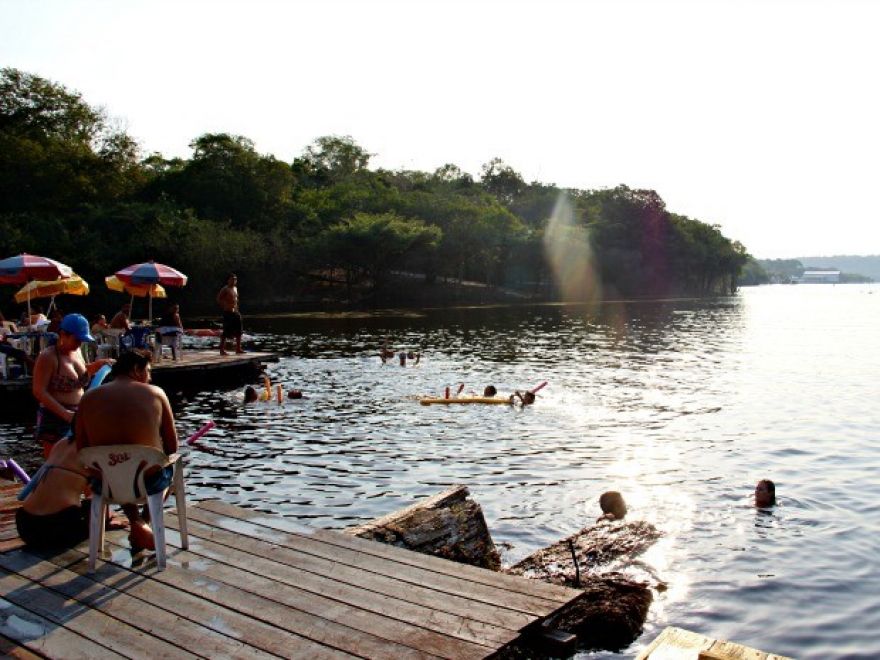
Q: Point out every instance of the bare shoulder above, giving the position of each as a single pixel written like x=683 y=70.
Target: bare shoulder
x=158 y=392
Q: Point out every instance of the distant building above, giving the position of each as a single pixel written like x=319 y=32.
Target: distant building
x=820 y=277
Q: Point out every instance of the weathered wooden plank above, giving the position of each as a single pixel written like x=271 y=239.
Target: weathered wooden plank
x=387 y=566
x=677 y=642
x=677 y=639
x=555 y=593
x=288 y=608
x=238 y=565
x=229 y=622
x=252 y=554
x=318 y=617
x=11 y=649
x=41 y=636
x=152 y=618
x=78 y=617
x=11 y=544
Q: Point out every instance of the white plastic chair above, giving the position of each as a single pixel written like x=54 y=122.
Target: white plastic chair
x=122 y=469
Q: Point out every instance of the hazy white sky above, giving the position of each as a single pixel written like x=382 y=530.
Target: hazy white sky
x=760 y=116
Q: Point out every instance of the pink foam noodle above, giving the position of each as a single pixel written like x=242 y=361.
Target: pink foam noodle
x=202 y=431
x=540 y=387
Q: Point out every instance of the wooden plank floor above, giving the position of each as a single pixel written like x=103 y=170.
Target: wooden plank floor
x=256 y=585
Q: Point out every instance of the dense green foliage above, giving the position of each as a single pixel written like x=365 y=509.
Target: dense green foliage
x=324 y=226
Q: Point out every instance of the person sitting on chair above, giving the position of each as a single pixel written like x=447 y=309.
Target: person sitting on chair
x=129 y=410
x=121 y=320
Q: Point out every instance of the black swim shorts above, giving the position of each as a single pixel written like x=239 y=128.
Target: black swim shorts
x=63 y=529
x=232 y=324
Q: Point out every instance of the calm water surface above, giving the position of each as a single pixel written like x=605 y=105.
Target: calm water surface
x=682 y=406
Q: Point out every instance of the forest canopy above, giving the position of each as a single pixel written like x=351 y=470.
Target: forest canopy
x=324 y=226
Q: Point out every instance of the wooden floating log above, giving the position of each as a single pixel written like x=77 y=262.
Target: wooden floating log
x=448 y=525
x=613 y=611
x=680 y=644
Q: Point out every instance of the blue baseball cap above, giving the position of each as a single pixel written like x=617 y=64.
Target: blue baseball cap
x=76 y=325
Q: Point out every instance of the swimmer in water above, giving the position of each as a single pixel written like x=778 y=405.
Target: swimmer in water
x=765 y=494
x=612 y=505
x=250 y=394
x=525 y=398
x=490 y=391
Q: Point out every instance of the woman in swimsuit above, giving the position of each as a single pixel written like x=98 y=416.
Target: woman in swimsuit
x=60 y=378
x=53 y=514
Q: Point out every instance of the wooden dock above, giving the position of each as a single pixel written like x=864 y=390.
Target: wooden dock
x=194 y=371
x=254 y=585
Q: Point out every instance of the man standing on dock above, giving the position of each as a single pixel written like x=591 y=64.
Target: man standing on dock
x=228 y=301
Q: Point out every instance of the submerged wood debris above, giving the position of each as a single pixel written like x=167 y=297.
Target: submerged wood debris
x=614 y=607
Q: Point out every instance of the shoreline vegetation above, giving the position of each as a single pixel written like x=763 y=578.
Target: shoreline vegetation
x=324 y=231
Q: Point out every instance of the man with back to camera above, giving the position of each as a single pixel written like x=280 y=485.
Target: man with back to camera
x=130 y=411
x=227 y=298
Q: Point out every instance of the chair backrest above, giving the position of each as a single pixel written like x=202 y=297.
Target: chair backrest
x=122 y=469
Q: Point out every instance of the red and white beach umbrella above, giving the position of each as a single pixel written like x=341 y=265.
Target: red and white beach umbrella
x=23 y=268
x=150 y=272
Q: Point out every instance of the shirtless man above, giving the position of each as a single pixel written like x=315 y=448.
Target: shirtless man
x=129 y=410
x=227 y=298
x=120 y=320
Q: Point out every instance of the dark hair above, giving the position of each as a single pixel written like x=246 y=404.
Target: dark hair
x=771 y=488
x=131 y=360
x=612 y=502
x=490 y=391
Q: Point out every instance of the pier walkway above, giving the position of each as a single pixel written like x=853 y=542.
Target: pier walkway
x=257 y=585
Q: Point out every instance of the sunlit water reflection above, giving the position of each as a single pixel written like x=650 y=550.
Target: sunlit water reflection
x=680 y=405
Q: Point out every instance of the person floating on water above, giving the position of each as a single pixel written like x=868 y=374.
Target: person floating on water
x=612 y=505
x=525 y=398
x=250 y=394
x=490 y=391
x=765 y=494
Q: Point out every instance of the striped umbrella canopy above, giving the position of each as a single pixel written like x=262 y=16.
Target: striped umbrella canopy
x=22 y=268
x=115 y=283
x=151 y=273
x=140 y=290
x=73 y=286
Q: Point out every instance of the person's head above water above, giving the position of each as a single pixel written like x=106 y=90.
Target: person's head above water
x=490 y=391
x=528 y=398
x=765 y=493
x=612 y=505
x=250 y=394
x=295 y=394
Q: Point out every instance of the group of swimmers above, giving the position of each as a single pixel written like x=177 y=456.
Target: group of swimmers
x=614 y=507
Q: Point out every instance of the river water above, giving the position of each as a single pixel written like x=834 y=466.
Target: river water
x=680 y=405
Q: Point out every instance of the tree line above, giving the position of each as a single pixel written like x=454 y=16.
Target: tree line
x=323 y=227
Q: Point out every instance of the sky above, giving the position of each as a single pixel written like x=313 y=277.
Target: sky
x=760 y=116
